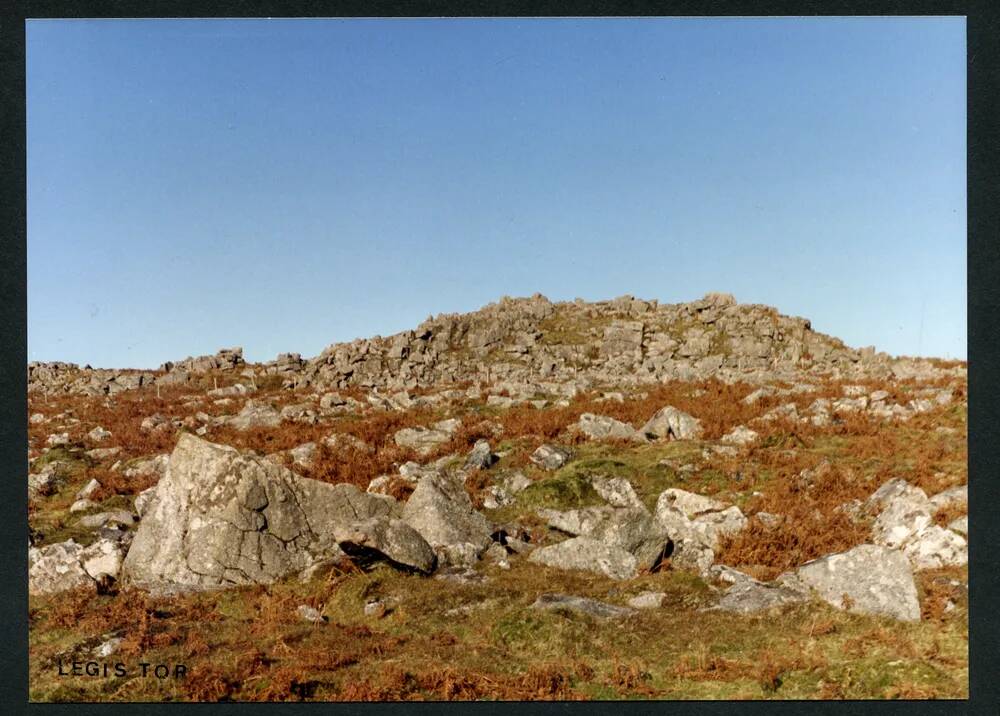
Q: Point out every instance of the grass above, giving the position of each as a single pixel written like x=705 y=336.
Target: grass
x=441 y=640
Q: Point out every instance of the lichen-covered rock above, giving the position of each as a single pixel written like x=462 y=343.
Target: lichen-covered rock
x=386 y=539
x=56 y=568
x=868 y=579
x=740 y=435
x=549 y=457
x=601 y=427
x=616 y=491
x=669 y=422
x=749 y=596
x=590 y=555
x=425 y=440
x=441 y=511
x=220 y=518
x=935 y=547
x=255 y=414
x=582 y=605
x=953 y=498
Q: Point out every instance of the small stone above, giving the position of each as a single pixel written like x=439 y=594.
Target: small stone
x=647 y=600
x=549 y=457
x=581 y=605
x=311 y=614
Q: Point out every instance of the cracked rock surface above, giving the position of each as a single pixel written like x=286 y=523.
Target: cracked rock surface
x=221 y=518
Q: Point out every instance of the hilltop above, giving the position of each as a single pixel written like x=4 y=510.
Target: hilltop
x=534 y=500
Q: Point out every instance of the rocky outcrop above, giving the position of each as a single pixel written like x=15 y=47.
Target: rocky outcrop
x=220 y=518
x=519 y=340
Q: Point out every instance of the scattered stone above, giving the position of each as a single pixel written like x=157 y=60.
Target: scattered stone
x=616 y=491
x=255 y=414
x=549 y=457
x=936 y=547
x=647 y=600
x=580 y=605
x=56 y=568
x=669 y=422
x=441 y=511
x=383 y=538
x=98 y=434
x=108 y=647
x=588 y=554
x=81 y=506
x=740 y=435
x=868 y=579
x=311 y=614
x=955 y=497
x=601 y=427
x=425 y=440
x=88 y=489
x=103 y=453
x=749 y=596
x=304 y=455
x=143 y=500
x=102 y=519
x=481 y=456
x=102 y=558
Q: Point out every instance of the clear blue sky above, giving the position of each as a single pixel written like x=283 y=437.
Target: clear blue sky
x=283 y=185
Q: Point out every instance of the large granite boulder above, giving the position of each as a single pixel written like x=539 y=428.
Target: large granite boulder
x=221 y=518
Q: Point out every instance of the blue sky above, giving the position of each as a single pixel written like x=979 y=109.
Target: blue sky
x=283 y=185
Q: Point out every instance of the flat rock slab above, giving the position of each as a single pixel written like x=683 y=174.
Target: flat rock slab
x=749 y=596
x=589 y=555
x=580 y=605
x=221 y=518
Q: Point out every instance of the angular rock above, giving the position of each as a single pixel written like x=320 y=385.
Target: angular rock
x=647 y=600
x=423 y=440
x=935 y=547
x=88 y=489
x=690 y=504
x=101 y=519
x=102 y=558
x=441 y=511
x=669 y=422
x=310 y=614
x=255 y=414
x=588 y=554
x=902 y=519
x=874 y=579
x=740 y=435
x=582 y=605
x=56 y=568
x=749 y=596
x=961 y=525
x=616 y=491
x=601 y=427
x=384 y=538
x=220 y=518
x=481 y=456
x=955 y=497
x=549 y=457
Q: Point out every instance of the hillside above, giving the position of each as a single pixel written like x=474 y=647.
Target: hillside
x=535 y=500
